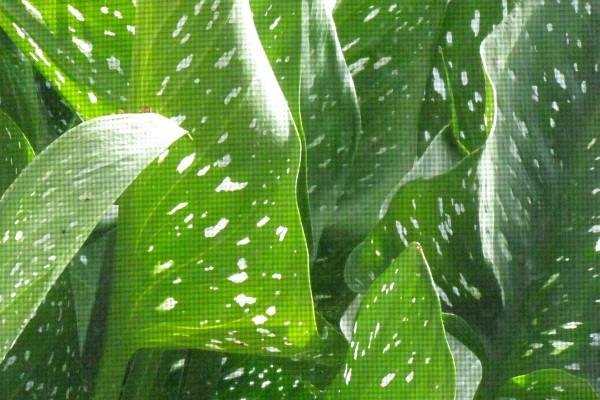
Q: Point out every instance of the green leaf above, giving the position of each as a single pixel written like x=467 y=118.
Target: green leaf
x=279 y=26
x=330 y=115
x=399 y=348
x=388 y=48
x=15 y=152
x=548 y=384
x=212 y=227
x=193 y=374
x=85 y=272
x=44 y=363
x=82 y=47
x=456 y=89
x=458 y=328
x=441 y=213
x=18 y=93
x=538 y=192
x=281 y=32
x=51 y=208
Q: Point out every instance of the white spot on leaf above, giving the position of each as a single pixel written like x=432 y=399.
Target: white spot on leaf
x=213 y=231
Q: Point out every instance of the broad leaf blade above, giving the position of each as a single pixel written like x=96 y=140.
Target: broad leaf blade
x=198 y=374
x=18 y=93
x=441 y=212
x=538 y=197
x=399 y=348
x=213 y=227
x=456 y=89
x=44 y=363
x=330 y=115
x=54 y=204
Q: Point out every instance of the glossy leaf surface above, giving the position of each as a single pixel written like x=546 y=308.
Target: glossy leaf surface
x=440 y=212
x=211 y=252
x=83 y=48
x=388 y=48
x=399 y=347
x=456 y=90
x=330 y=115
x=18 y=93
x=50 y=209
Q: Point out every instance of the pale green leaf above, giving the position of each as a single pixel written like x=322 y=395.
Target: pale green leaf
x=51 y=208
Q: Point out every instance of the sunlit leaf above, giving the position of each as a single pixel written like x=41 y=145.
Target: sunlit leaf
x=51 y=208
x=282 y=35
x=456 y=89
x=211 y=252
x=399 y=348
x=441 y=213
x=82 y=47
x=18 y=95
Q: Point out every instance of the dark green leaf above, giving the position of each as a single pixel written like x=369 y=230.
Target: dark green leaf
x=18 y=95
x=44 y=363
x=456 y=89
x=330 y=115
x=548 y=384
x=388 y=47
x=441 y=212
x=539 y=184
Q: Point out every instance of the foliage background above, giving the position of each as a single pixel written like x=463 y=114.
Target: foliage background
x=267 y=253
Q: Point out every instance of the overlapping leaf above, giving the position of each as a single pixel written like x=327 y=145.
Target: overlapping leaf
x=82 y=47
x=211 y=252
x=330 y=114
x=538 y=193
x=193 y=374
x=440 y=212
x=548 y=384
x=50 y=209
x=44 y=363
x=388 y=47
x=399 y=347
x=456 y=89
x=18 y=95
